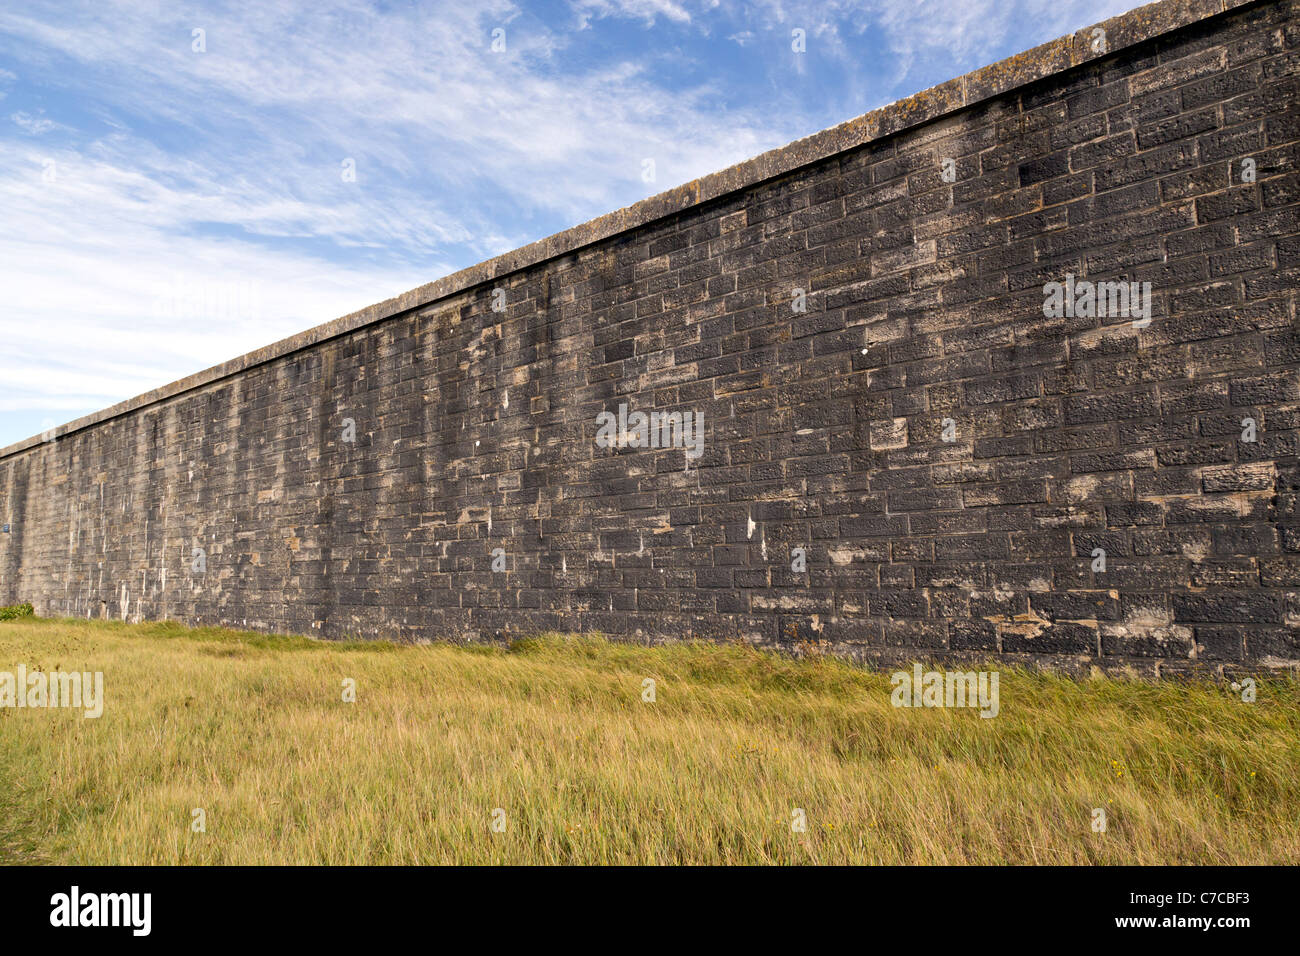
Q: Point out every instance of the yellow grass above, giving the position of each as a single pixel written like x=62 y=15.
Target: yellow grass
x=555 y=733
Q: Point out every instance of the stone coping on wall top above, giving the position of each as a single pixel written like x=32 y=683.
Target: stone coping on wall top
x=1127 y=29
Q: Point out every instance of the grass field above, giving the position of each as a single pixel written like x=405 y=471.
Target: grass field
x=554 y=734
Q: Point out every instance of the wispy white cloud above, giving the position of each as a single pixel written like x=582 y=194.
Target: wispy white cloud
x=33 y=125
x=647 y=11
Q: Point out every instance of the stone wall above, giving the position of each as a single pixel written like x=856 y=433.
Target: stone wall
x=910 y=444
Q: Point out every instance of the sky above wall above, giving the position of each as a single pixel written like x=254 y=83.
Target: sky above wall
x=183 y=183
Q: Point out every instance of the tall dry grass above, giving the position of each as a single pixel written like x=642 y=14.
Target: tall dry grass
x=554 y=732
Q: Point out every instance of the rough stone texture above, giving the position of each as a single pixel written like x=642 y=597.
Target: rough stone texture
x=824 y=430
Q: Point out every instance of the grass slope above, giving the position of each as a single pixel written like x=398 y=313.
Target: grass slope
x=554 y=732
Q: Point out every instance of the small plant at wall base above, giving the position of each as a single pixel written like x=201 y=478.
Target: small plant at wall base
x=16 y=610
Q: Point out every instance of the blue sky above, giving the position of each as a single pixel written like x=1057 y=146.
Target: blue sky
x=171 y=199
